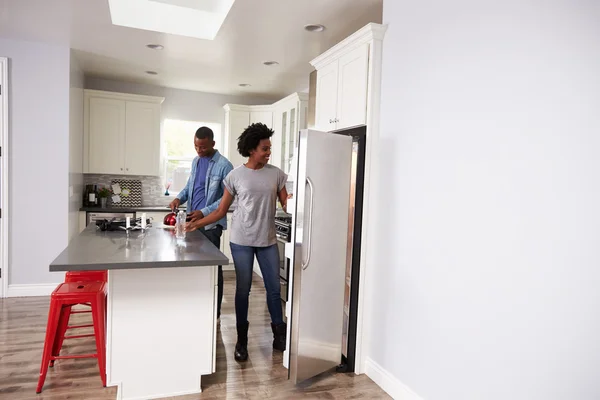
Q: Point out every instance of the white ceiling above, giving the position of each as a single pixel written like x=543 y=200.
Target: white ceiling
x=254 y=31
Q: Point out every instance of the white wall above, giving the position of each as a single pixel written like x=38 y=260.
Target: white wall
x=180 y=104
x=486 y=280
x=75 y=145
x=39 y=158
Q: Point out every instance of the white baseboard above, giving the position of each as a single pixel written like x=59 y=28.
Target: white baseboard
x=388 y=382
x=30 y=290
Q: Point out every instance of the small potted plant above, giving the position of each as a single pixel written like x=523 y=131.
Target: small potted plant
x=103 y=194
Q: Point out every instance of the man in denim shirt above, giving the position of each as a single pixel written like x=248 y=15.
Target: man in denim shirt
x=204 y=190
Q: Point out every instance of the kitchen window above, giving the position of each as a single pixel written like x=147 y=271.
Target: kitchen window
x=180 y=152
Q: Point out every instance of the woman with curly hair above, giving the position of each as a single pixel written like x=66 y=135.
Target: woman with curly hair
x=257 y=186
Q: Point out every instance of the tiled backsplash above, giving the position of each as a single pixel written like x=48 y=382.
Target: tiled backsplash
x=153 y=189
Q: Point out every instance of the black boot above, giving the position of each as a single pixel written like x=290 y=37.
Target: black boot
x=241 y=347
x=279 y=332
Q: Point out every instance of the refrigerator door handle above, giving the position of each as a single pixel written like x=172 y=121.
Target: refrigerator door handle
x=310 y=209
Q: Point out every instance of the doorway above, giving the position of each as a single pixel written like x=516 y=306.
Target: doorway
x=3 y=176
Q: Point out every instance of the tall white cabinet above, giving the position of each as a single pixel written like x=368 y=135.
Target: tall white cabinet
x=289 y=117
x=121 y=133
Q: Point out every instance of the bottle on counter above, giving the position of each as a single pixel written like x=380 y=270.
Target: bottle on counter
x=180 y=224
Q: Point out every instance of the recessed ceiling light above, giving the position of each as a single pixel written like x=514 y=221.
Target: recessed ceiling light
x=155 y=46
x=244 y=84
x=152 y=72
x=314 y=28
x=269 y=63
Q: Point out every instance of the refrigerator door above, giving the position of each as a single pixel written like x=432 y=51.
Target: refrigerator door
x=323 y=197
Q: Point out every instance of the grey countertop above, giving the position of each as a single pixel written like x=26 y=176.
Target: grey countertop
x=160 y=208
x=157 y=247
x=142 y=209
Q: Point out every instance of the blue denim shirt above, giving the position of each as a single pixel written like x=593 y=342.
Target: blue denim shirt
x=218 y=168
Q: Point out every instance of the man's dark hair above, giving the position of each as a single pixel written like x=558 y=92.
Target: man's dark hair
x=251 y=137
x=205 y=133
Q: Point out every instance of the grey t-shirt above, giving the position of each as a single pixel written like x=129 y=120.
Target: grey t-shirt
x=253 y=220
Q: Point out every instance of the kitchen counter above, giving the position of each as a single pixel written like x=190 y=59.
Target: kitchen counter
x=156 y=247
x=164 y=209
x=158 y=289
x=160 y=208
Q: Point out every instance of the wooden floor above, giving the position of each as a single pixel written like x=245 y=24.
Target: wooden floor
x=23 y=324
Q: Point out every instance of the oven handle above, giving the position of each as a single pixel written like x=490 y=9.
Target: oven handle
x=310 y=209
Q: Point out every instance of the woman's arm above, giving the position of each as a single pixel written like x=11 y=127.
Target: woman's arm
x=214 y=216
x=283 y=197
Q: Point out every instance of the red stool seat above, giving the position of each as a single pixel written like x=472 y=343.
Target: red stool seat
x=84 y=276
x=80 y=276
x=62 y=299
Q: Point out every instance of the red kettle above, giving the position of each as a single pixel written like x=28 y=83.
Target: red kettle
x=170 y=219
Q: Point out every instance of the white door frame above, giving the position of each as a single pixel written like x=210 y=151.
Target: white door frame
x=4 y=178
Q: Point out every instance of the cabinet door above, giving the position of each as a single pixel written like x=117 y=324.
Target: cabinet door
x=266 y=117
x=142 y=138
x=237 y=121
x=106 y=136
x=352 y=88
x=327 y=92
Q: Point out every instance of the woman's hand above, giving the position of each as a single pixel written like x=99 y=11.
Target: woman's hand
x=192 y=225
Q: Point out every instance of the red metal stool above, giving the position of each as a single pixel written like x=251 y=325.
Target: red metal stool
x=86 y=276
x=62 y=299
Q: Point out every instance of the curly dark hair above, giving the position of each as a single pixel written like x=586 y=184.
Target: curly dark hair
x=251 y=137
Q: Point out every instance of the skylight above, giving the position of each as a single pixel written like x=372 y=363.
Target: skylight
x=200 y=19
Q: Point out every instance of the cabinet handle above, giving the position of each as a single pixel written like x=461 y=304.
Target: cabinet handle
x=126 y=169
x=330 y=121
x=121 y=169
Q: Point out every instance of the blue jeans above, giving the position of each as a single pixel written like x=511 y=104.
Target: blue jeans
x=268 y=260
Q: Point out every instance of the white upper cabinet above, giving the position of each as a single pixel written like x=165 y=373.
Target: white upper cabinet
x=327 y=96
x=289 y=118
x=237 y=118
x=266 y=117
x=353 y=71
x=142 y=139
x=344 y=73
x=286 y=117
x=121 y=134
x=106 y=124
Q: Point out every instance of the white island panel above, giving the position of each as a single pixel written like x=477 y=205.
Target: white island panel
x=160 y=330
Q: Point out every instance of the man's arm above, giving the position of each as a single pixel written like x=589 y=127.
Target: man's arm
x=215 y=205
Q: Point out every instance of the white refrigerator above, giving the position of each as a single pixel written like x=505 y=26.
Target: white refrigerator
x=322 y=191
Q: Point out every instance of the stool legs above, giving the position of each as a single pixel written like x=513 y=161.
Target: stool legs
x=64 y=297
x=99 y=330
x=63 y=323
x=51 y=331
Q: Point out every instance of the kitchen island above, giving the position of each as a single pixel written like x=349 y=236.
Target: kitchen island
x=161 y=310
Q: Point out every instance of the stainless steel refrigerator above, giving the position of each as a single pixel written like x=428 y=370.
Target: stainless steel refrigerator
x=328 y=184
